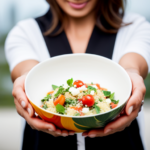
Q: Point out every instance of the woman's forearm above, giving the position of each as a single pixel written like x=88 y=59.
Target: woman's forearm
x=23 y=68
x=135 y=63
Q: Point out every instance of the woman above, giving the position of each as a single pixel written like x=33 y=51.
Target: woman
x=82 y=26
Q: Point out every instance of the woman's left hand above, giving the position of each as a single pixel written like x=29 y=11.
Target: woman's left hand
x=130 y=112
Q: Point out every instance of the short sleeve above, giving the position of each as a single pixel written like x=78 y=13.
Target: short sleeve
x=135 y=37
x=18 y=47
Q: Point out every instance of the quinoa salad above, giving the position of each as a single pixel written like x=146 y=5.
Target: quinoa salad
x=76 y=98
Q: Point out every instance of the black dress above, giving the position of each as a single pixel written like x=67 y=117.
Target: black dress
x=102 y=44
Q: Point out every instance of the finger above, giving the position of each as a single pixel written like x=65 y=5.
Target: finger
x=39 y=124
x=96 y=132
x=121 y=122
x=58 y=131
x=64 y=133
x=19 y=93
x=30 y=110
x=134 y=102
x=71 y=132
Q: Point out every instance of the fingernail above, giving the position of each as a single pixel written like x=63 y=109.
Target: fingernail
x=108 y=130
x=71 y=133
x=130 y=110
x=64 y=134
x=29 y=111
x=51 y=130
x=23 y=104
x=92 y=135
x=58 y=133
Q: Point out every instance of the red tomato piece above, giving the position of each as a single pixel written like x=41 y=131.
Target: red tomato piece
x=113 y=105
x=98 y=86
x=78 y=83
x=88 y=100
x=77 y=108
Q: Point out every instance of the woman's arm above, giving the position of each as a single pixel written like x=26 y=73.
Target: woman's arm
x=137 y=68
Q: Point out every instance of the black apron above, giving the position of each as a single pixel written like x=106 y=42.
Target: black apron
x=101 y=44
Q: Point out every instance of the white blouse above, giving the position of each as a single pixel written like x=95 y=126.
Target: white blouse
x=25 y=41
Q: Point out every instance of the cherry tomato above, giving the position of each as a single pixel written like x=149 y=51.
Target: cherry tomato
x=78 y=83
x=88 y=100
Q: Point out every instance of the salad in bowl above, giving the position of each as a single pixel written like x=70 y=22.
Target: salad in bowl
x=76 y=98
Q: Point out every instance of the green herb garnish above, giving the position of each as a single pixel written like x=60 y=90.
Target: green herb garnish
x=112 y=96
x=60 y=109
x=90 y=88
x=77 y=114
x=45 y=106
x=70 y=82
x=114 y=101
x=97 y=109
x=69 y=101
x=54 y=87
x=100 y=100
x=60 y=91
x=107 y=93
x=46 y=98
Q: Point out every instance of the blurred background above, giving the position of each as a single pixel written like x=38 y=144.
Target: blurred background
x=12 y=11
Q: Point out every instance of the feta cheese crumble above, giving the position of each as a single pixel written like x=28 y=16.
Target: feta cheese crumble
x=92 y=93
x=74 y=91
x=85 y=110
x=108 y=100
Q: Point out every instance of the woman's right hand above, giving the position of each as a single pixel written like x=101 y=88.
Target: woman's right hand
x=25 y=110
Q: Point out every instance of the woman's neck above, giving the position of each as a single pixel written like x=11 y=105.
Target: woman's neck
x=79 y=27
x=78 y=32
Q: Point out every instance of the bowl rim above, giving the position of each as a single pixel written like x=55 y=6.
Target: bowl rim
x=72 y=55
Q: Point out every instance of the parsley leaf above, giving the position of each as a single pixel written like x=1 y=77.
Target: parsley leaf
x=54 y=87
x=60 y=109
x=70 y=82
x=112 y=96
x=69 y=101
x=100 y=100
x=45 y=106
x=97 y=109
x=60 y=91
x=91 y=88
x=107 y=93
x=46 y=98
x=114 y=101
x=77 y=114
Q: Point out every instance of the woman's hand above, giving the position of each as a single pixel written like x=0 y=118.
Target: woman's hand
x=25 y=110
x=131 y=110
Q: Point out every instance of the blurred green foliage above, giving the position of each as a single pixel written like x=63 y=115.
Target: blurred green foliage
x=6 y=99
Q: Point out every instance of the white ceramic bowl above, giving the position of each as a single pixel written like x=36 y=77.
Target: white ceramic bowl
x=85 y=67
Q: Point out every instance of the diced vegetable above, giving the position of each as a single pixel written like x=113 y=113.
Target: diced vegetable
x=60 y=100
x=98 y=86
x=60 y=109
x=113 y=105
x=51 y=92
x=77 y=108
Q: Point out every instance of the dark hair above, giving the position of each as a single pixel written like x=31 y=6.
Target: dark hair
x=109 y=14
